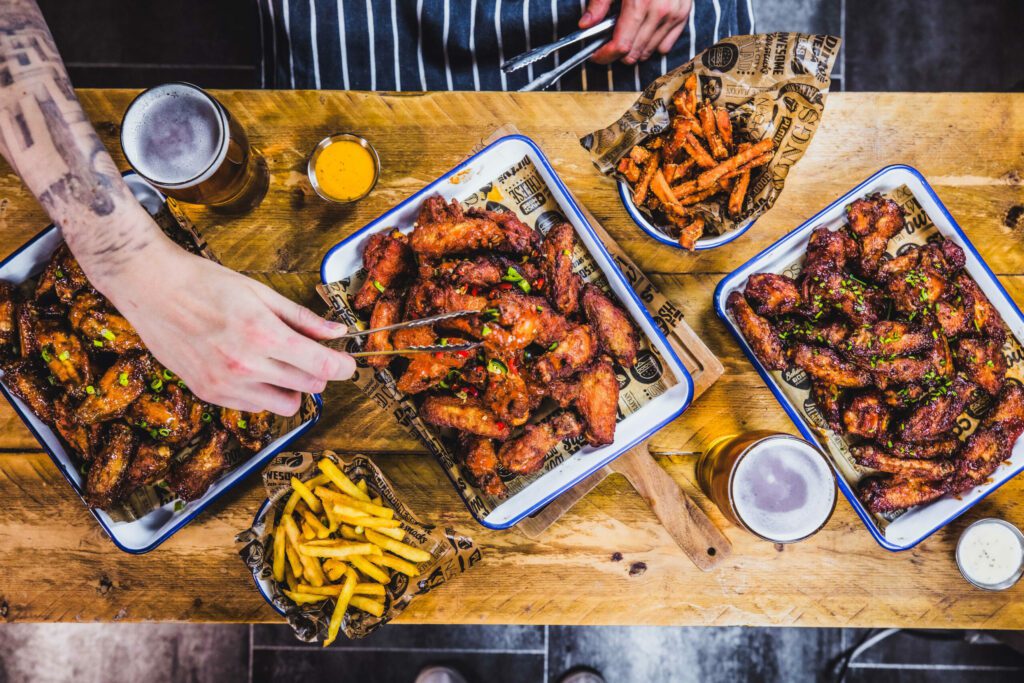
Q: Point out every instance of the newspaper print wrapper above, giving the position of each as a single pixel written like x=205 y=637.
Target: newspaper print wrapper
x=797 y=387
x=774 y=86
x=451 y=553
x=522 y=190
x=177 y=226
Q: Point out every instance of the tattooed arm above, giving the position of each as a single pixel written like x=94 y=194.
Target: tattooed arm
x=236 y=342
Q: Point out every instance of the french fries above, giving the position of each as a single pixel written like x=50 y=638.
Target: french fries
x=336 y=540
x=696 y=159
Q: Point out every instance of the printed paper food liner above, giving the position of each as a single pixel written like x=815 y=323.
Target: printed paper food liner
x=522 y=190
x=451 y=553
x=773 y=84
x=144 y=500
x=797 y=386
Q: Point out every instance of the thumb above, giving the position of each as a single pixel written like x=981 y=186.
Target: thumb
x=595 y=12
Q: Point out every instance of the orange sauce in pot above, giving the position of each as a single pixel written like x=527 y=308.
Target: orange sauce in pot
x=345 y=170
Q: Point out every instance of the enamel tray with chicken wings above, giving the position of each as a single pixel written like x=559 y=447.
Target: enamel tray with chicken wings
x=543 y=196
x=150 y=530
x=929 y=221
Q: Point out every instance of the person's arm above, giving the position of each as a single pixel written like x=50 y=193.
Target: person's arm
x=643 y=27
x=234 y=341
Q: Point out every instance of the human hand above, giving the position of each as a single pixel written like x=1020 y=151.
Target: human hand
x=234 y=341
x=643 y=26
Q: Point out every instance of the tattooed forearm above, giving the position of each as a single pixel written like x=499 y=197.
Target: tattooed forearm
x=47 y=139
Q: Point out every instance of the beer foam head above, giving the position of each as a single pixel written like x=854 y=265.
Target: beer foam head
x=173 y=134
x=783 y=489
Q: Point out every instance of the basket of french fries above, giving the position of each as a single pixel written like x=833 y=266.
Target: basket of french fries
x=705 y=150
x=334 y=550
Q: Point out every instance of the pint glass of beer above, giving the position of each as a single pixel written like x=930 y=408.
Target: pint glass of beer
x=774 y=485
x=182 y=140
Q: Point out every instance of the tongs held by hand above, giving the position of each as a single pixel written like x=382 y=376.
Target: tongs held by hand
x=548 y=78
x=419 y=322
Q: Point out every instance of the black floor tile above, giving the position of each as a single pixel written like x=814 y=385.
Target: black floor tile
x=937 y=648
x=361 y=666
x=934 y=45
x=894 y=675
x=468 y=638
x=708 y=655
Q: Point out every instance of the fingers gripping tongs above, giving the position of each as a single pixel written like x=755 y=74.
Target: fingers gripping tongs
x=548 y=78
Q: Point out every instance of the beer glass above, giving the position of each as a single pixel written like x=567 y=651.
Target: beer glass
x=186 y=143
x=774 y=485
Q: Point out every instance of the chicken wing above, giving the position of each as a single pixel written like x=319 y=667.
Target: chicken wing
x=825 y=365
x=444 y=229
x=771 y=294
x=758 y=332
x=83 y=440
x=101 y=327
x=189 y=479
x=936 y=417
x=891 y=338
x=868 y=416
x=613 y=327
x=942 y=447
x=557 y=249
x=857 y=301
x=526 y=454
x=889 y=494
x=150 y=465
x=597 y=402
x=117 y=389
x=62 y=276
x=507 y=394
x=986 y=320
x=388 y=262
x=467 y=415
x=481 y=460
x=920 y=277
x=993 y=441
x=387 y=311
x=427 y=369
x=8 y=319
x=170 y=416
x=520 y=320
x=875 y=221
x=23 y=381
x=877 y=459
x=253 y=430
x=935 y=366
x=828 y=398
x=828 y=251
x=983 y=362
x=64 y=355
x=795 y=328
x=575 y=351
x=104 y=484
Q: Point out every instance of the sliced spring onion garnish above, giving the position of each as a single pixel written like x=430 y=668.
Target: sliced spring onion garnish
x=90 y=390
x=64 y=355
x=242 y=424
x=379 y=286
x=107 y=334
x=123 y=379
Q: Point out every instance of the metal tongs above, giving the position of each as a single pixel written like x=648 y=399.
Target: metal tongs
x=419 y=322
x=548 y=78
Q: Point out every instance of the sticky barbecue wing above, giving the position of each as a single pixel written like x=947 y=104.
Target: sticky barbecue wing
x=150 y=465
x=117 y=389
x=100 y=327
x=597 y=402
x=614 y=329
x=190 y=478
x=62 y=277
x=875 y=220
x=388 y=263
x=427 y=369
x=170 y=415
x=481 y=459
x=985 y=317
x=105 y=482
x=574 y=352
x=877 y=459
x=525 y=454
x=828 y=399
x=889 y=494
x=826 y=366
x=444 y=229
x=758 y=332
x=64 y=356
x=890 y=338
x=253 y=430
x=25 y=383
x=983 y=362
x=993 y=441
x=867 y=416
x=936 y=417
x=8 y=319
x=919 y=277
x=82 y=439
x=771 y=294
x=507 y=394
x=557 y=249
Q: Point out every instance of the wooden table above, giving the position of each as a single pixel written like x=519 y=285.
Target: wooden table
x=58 y=566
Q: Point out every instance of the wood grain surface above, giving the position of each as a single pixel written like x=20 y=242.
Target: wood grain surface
x=57 y=565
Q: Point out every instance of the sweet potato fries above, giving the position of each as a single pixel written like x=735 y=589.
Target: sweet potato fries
x=696 y=159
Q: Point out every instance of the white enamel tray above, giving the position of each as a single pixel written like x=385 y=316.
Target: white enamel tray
x=145 y=533
x=920 y=522
x=345 y=258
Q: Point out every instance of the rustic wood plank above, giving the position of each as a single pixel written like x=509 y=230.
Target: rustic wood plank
x=58 y=565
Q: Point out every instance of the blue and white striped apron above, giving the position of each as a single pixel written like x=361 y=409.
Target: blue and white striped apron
x=454 y=44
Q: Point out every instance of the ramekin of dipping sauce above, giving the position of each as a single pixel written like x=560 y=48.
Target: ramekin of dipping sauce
x=343 y=168
x=990 y=554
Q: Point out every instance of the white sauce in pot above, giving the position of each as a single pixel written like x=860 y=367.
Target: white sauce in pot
x=990 y=554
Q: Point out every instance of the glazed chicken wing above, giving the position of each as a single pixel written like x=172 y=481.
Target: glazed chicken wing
x=427 y=369
x=597 y=402
x=868 y=416
x=889 y=494
x=919 y=277
x=770 y=294
x=507 y=394
x=82 y=439
x=875 y=221
x=557 y=249
x=986 y=320
x=388 y=263
x=828 y=400
x=936 y=417
x=387 y=311
x=24 y=382
x=877 y=459
x=825 y=365
x=575 y=351
x=253 y=430
x=891 y=338
x=465 y=415
x=613 y=327
x=189 y=479
x=942 y=447
x=117 y=389
x=105 y=482
x=837 y=291
x=170 y=416
x=8 y=319
x=444 y=229
x=828 y=251
x=101 y=327
x=63 y=276
x=64 y=355
x=993 y=441
x=983 y=362
x=934 y=366
x=526 y=454
x=481 y=460
x=522 y=320
x=150 y=465
x=758 y=332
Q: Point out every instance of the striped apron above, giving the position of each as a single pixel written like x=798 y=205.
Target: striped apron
x=454 y=44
